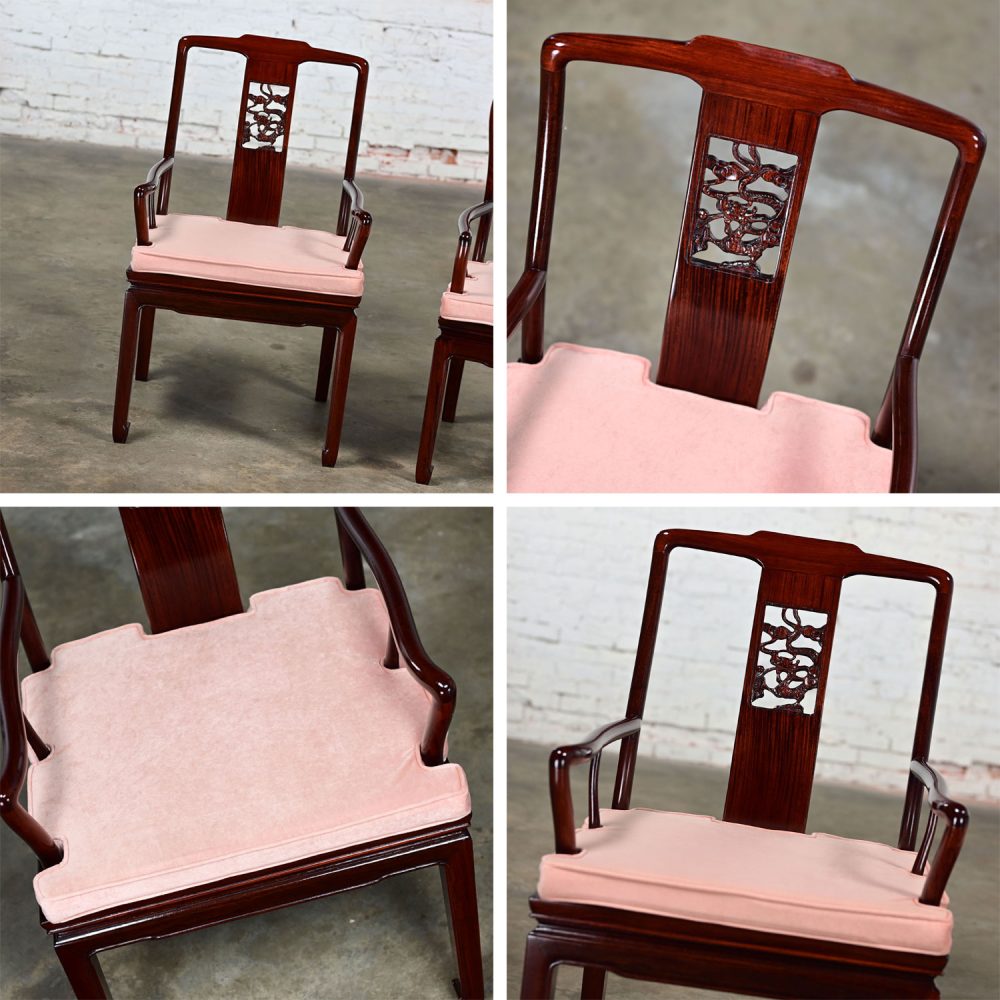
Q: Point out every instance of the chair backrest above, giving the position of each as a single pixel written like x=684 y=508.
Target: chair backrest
x=784 y=686
x=265 y=121
x=757 y=126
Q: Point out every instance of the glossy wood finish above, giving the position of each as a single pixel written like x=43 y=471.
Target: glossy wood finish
x=770 y=785
x=457 y=342
x=178 y=584
x=254 y=197
x=719 y=323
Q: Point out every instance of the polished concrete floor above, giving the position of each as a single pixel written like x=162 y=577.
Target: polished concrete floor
x=869 y=212
x=974 y=886
x=229 y=406
x=386 y=940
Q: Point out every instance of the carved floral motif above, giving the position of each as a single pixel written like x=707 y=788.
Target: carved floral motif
x=264 y=117
x=740 y=220
x=787 y=672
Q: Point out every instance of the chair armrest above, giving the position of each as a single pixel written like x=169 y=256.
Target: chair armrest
x=357 y=221
x=143 y=202
x=404 y=630
x=904 y=424
x=957 y=818
x=484 y=211
x=522 y=297
x=561 y=760
x=15 y=741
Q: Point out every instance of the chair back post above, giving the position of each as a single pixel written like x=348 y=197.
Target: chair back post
x=721 y=313
x=795 y=617
x=31 y=638
x=264 y=123
x=485 y=220
x=183 y=563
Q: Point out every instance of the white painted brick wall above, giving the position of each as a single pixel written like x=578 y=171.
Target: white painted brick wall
x=576 y=586
x=100 y=71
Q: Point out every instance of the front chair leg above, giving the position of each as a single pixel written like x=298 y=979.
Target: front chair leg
x=146 y=317
x=458 y=878
x=83 y=972
x=341 y=376
x=538 y=978
x=455 y=370
x=126 y=366
x=432 y=409
x=325 y=363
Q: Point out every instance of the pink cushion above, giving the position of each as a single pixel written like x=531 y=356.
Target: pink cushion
x=223 y=748
x=590 y=420
x=699 y=868
x=475 y=304
x=201 y=246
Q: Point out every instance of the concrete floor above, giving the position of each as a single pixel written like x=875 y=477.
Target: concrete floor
x=868 y=216
x=974 y=887
x=229 y=406
x=386 y=940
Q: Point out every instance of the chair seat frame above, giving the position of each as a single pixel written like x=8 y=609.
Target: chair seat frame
x=169 y=605
x=255 y=197
x=769 y=790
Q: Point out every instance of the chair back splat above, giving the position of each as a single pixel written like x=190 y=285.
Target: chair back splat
x=265 y=119
x=760 y=113
x=777 y=735
x=184 y=565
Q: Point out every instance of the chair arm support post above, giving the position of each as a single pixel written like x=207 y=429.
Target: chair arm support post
x=12 y=722
x=482 y=211
x=353 y=223
x=522 y=297
x=956 y=818
x=404 y=631
x=561 y=760
x=151 y=196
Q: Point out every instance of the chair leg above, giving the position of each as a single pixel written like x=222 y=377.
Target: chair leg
x=594 y=981
x=458 y=878
x=341 y=376
x=325 y=363
x=432 y=410
x=126 y=367
x=455 y=370
x=538 y=979
x=146 y=317
x=83 y=972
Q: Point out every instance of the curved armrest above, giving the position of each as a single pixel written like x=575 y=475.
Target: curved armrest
x=957 y=818
x=15 y=740
x=560 y=761
x=484 y=211
x=145 y=205
x=442 y=688
x=903 y=405
x=360 y=223
x=523 y=296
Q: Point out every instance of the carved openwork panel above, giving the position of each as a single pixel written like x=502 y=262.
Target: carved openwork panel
x=739 y=218
x=788 y=654
x=264 y=116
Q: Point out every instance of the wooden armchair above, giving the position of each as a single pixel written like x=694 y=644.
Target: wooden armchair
x=246 y=266
x=750 y=904
x=465 y=324
x=242 y=760
x=584 y=419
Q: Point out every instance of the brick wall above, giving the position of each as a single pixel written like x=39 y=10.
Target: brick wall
x=576 y=585
x=100 y=71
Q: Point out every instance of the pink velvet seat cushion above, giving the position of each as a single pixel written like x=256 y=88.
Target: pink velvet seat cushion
x=699 y=868
x=475 y=304
x=590 y=420
x=224 y=748
x=201 y=246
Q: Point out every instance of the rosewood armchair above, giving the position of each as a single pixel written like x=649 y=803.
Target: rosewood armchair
x=244 y=760
x=586 y=419
x=465 y=323
x=750 y=903
x=246 y=266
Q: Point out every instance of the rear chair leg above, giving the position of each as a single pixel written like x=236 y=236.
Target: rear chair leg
x=83 y=972
x=594 y=981
x=455 y=370
x=325 y=363
x=458 y=878
x=432 y=409
x=146 y=317
x=126 y=366
x=341 y=376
